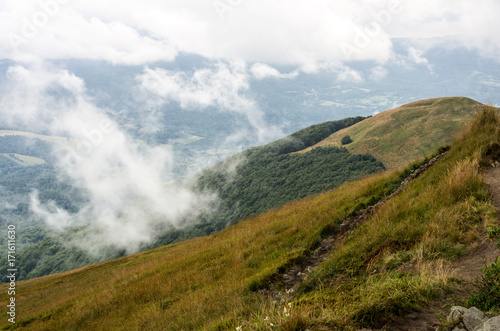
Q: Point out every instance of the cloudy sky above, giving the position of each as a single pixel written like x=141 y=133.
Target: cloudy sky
x=308 y=35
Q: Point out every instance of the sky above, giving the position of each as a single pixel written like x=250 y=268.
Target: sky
x=307 y=35
x=242 y=40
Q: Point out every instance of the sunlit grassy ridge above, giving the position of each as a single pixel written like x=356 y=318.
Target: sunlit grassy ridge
x=394 y=262
x=400 y=258
x=414 y=130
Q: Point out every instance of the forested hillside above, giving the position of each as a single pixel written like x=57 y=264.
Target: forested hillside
x=27 y=166
x=269 y=176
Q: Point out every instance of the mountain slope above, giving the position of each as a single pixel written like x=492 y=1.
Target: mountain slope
x=249 y=183
x=392 y=264
x=269 y=176
x=403 y=134
x=264 y=177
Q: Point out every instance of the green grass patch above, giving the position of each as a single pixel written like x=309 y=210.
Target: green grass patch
x=487 y=296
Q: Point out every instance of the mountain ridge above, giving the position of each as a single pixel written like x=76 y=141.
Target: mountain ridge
x=421 y=127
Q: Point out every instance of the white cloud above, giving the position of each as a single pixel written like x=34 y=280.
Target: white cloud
x=414 y=58
x=128 y=184
x=50 y=29
x=346 y=74
x=467 y=23
x=292 y=32
x=222 y=86
x=263 y=71
x=54 y=216
x=378 y=73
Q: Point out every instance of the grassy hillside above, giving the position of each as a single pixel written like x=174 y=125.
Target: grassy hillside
x=399 y=259
x=403 y=134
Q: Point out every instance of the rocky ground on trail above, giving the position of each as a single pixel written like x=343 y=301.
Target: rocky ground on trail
x=467 y=268
x=471 y=319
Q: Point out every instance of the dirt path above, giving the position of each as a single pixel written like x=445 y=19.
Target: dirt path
x=492 y=178
x=294 y=275
x=467 y=268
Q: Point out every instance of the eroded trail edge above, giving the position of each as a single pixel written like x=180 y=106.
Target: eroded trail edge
x=293 y=276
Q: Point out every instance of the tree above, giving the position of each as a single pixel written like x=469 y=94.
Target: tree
x=346 y=140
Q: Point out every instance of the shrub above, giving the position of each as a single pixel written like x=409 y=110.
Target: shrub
x=346 y=140
x=494 y=234
x=488 y=294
